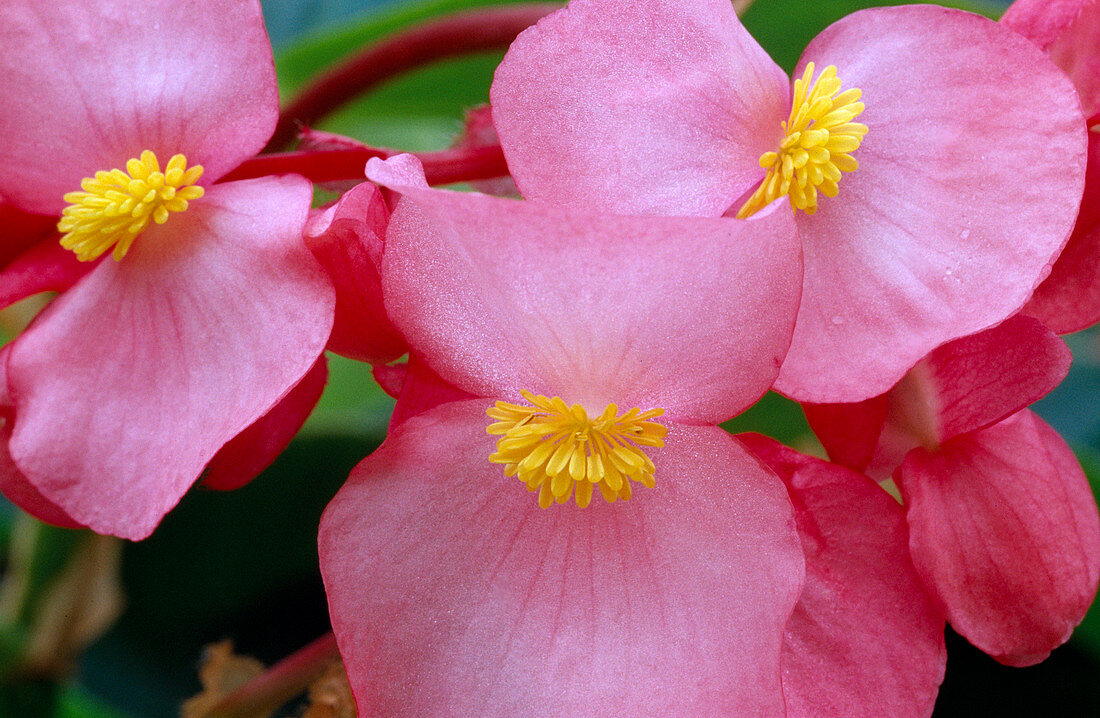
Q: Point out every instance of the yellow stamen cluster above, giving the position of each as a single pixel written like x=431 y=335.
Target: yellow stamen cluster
x=818 y=139
x=553 y=447
x=114 y=207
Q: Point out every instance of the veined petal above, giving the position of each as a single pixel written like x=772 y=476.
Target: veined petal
x=865 y=638
x=688 y=314
x=1069 y=299
x=1069 y=31
x=13 y=484
x=254 y=449
x=128 y=384
x=962 y=386
x=968 y=185
x=979 y=380
x=111 y=79
x=481 y=603
x=1004 y=531
x=639 y=107
x=347 y=240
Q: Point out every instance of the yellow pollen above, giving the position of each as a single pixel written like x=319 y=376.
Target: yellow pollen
x=114 y=207
x=553 y=447
x=819 y=138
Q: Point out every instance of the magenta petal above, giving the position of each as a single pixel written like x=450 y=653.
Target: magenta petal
x=968 y=185
x=849 y=432
x=129 y=383
x=13 y=484
x=347 y=240
x=255 y=448
x=111 y=79
x=21 y=230
x=639 y=107
x=44 y=267
x=452 y=593
x=865 y=638
x=1069 y=299
x=1004 y=531
x=421 y=390
x=689 y=314
x=1069 y=31
x=976 y=381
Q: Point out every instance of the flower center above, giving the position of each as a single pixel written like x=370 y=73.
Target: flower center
x=114 y=207
x=819 y=135
x=553 y=447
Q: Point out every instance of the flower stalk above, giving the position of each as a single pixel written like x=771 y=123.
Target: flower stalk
x=451 y=36
x=286 y=679
x=461 y=164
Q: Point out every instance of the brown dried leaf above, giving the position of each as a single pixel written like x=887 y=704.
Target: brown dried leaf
x=330 y=695
x=222 y=672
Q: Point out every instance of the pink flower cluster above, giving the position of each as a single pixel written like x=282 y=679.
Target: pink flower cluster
x=556 y=524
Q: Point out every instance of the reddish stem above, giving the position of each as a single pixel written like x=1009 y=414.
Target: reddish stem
x=280 y=683
x=443 y=167
x=451 y=36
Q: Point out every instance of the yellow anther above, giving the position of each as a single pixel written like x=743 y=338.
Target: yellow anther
x=114 y=207
x=817 y=139
x=553 y=447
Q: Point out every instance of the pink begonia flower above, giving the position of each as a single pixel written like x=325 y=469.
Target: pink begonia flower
x=865 y=638
x=1003 y=526
x=452 y=591
x=128 y=383
x=957 y=166
x=1069 y=32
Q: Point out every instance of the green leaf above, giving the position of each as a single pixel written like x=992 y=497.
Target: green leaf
x=422 y=110
x=75 y=702
x=785 y=27
x=353 y=404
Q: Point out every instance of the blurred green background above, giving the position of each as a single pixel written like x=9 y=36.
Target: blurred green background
x=244 y=566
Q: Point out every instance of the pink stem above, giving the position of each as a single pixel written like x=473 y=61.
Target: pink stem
x=451 y=36
x=280 y=683
x=443 y=167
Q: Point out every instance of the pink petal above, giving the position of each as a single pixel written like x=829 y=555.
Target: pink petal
x=849 y=432
x=1004 y=531
x=499 y=295
x=865 y=639
x=129 y=383
x=13 y=484
x=1069 y=31
x=964 y=385
x=452 y=593
x=639 y=107
x=422 y=390
x=255 y=448
x=391 y=377
x=967 y=189
x=481 y=132
x=976 y=381
x=111 y=79
x=1069 y=299
x=347 y=240
x=44 y=267
x=20 y=230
